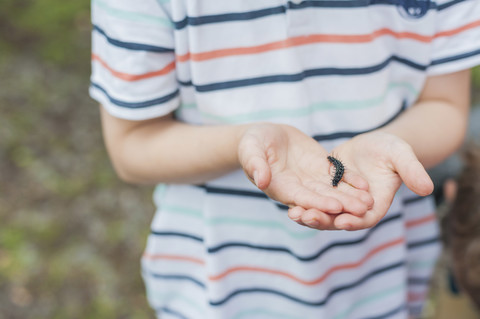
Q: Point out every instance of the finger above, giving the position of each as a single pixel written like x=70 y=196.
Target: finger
x=383 y=199
x=355 y=180
x=316 y=219
x=295 y=213
x=412 y=172
x=362 y=195
x=262 y=175
x=350 y=204
x=353 y=201
x=306 y=198
x=351 y=222
x=255 y=164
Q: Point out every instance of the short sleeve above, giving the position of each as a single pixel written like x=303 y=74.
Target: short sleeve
x=456 y=44
x=133 y=60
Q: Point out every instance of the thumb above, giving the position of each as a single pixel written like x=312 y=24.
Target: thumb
x=253 y=159
x=412 y=172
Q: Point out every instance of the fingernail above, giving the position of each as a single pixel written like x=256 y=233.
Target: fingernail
x=344 y=226
x=255 y=177
x=313 y=223
x=294 y=214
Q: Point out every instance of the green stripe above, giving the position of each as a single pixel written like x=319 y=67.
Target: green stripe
x=301 y=234
x=370 y=299
x=189 y=106
x=422 y=264
x=133 y=16
x=160 y=191
x=264 y=314
x=308 y=110
x=182 y=210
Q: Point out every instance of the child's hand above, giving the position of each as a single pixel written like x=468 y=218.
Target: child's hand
x=293 y=169
x=384 y=160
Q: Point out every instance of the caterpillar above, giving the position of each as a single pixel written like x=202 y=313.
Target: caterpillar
x=339 y=170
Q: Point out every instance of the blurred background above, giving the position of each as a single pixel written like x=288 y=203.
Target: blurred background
x=71 y=234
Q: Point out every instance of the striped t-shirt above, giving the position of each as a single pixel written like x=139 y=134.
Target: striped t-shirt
x=333 y=69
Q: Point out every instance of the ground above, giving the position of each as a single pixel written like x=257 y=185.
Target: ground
x=71 y=234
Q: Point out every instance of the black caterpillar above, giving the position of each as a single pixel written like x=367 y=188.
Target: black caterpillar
x=339 y=170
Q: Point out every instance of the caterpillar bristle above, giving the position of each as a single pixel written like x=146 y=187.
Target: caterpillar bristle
x=339 y=170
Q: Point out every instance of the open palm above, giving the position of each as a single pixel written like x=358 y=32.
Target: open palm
x=292 y=168
x=385 y=161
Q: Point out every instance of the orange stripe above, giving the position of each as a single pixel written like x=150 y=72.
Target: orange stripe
x=132 y=77
x=315 y=281
x=449 y=33
x=423 y=220
x=416 y=296
x=319 y=38
x=297 y=41
x=174 y=257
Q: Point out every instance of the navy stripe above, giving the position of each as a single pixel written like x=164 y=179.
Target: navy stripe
x=134 y=105
x=455 y=57
x=170 y=312
x=336 y=4
x=419 y=281
x=185 y=83
x=414 y=199
x=315 y=256
x=279 y=78
x=337 y=135
x=416 y=310
x=390 y=313
x=424 y=242
x=280 y=249
x=282 y=207
x=176 y=234
x=175 y=277
x=261 y=13
x=350 y=4
x=449 y=4
x=239 y=192
x=132 y=45
x=229 y=17
x=333 y=292
x=307 y=74
x=235 y=192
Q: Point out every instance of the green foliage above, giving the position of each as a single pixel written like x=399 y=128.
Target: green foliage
x=476 y=78
x=51 y=28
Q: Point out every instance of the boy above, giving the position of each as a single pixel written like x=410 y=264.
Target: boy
x=197 y=93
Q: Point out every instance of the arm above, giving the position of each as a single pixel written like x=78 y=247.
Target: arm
x=423 y=135
x=436 y=125
x=281 y=160
x=163 y=150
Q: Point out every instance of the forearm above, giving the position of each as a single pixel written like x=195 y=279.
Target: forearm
x=167 y=151
x=434 y=129
x=435 y=126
